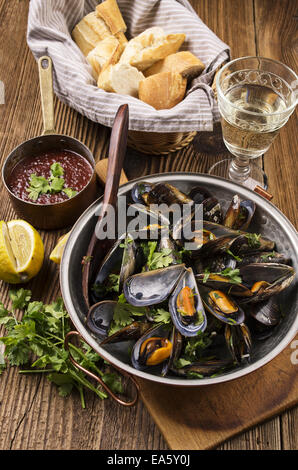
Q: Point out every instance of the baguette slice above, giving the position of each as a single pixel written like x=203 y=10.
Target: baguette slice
x=110 y=13
x=150 y=46
x=89 y=31
x=107 y=52
x=120 y=78
x=183 y=62
x=163 y=90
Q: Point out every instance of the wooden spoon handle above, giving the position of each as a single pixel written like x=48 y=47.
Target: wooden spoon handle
x=117 y=151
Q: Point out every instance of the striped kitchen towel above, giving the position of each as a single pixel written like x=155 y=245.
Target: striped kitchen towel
x=50 y=23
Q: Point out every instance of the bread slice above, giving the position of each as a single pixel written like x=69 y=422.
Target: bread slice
x=89 y=31
x=120 y=78
x=183 y=62
x=150 y=46
x=107 y=52
x=163 y=90
x=110 y=13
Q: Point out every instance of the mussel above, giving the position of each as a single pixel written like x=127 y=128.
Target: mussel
x=239 y=342
x=165 y=193
x=120 y=259
x=100 y=318
x=217 y=281
x=153 y=348
x=265 y=279
x=222 y=306
x=140 y=191
x=186 y=307
x=239 y=214
x=152 y=287
x=203 y=368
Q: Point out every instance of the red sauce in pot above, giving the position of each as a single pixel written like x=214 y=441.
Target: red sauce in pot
x=77 y=174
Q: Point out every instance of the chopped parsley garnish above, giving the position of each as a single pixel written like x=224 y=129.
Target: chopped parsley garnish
x=253 y=240
x=39 y=185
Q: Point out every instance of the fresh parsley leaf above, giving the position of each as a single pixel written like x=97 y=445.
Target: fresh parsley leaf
x=237 y=258
x=37 y=185
x=268 y=255
x=20 y=298
x=232 y=274
x=253 y=240
x=181 y=362
x=206 y=275
x=57 y=184
x=69 y=192
x=162 y=316
x=56 y=170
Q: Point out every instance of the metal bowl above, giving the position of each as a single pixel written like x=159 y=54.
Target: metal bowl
x=268 y=220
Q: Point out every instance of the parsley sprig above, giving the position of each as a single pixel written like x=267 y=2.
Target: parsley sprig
x=55 y=184
x=37 y=340
x=233 y=275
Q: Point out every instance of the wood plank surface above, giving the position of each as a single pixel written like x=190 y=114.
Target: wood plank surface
x=32 y=414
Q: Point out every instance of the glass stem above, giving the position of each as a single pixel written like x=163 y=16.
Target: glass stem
x=239 y=169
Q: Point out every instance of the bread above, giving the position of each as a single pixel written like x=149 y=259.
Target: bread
x=183 y=62
x=163 y=90
x=120 y=78
x=89 y=32
x=107 y=52
x=150 y=46
x=105 y=22
x=109 y=12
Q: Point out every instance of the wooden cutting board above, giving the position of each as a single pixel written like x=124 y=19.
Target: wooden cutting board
x=201 y=418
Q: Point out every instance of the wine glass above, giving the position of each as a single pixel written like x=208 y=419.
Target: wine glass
x=256 y=97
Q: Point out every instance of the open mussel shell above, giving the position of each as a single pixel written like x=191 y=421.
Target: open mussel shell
x=186 y=307
x=152 y=287
x=140 y=191
x=239 y=342
x=212 y=211
x=153 y=348
x=237 y=244
x=265 y=279
x=246 y=213
x=176 y=339
x=220 y=282
x=130 y=332
x=100 y=317
x=263 y=257
x=165 y=193
x=222 y=306
x=215 y=264
x=148 y=223
x=120 y=259
x=204 y=368
x=232 y=213
x=239 y=214
x=199 y=194
x=267 y=312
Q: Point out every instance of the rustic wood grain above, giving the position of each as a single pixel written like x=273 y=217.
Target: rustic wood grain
x=32 y=414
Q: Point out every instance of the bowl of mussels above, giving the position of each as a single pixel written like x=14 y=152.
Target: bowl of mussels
x=187 y=316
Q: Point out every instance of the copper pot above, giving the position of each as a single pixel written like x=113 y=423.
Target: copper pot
x=57 y=215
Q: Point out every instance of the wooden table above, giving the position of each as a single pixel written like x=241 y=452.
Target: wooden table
x=32 y=414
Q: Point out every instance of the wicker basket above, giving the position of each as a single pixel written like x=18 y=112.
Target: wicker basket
x=156 y=143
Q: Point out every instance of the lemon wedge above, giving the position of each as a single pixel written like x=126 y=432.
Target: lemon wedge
x=21 y=251
x=57 y=252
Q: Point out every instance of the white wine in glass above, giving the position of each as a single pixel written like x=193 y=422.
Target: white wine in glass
x=256 y=96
